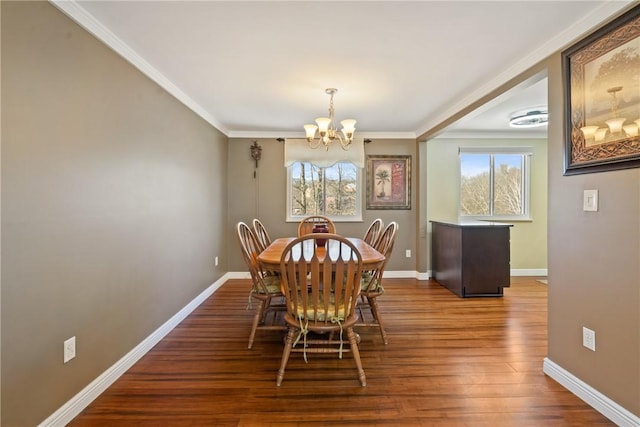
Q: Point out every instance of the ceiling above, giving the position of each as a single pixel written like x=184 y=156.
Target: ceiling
x=260 y=69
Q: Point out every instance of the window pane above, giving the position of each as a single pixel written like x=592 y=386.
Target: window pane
x=493 y=183
x=306 y=183
x=507 y=190
x=340 y=190
x=323 y=191
x=475 y=184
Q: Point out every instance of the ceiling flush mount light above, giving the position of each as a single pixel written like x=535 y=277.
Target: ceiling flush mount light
x=529 y=118
x=327 y=129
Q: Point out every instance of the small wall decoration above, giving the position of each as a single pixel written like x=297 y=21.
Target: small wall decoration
x=256 y=154
x=388 y=182
x=602 y=98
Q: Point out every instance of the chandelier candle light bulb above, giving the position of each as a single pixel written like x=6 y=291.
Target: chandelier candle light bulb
x=600 y=134
x=615 y=125
x=631 y=130
x=323 y=124
x=589 y=131
x=310 y=130
x=348 y=128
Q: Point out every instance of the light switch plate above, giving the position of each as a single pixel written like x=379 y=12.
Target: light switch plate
x=590 y=201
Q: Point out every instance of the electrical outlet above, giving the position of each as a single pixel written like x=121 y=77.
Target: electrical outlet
x=69 y=349
x=589 y=338
x=216 y=261
x=408 y=253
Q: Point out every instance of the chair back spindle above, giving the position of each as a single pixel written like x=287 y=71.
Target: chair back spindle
x=373 y=232
x=261 y=234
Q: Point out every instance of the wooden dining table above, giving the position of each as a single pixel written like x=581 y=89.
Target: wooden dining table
x=270 y=257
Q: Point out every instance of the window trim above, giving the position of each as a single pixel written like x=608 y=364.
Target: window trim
x=342 y=218
x=527 y=154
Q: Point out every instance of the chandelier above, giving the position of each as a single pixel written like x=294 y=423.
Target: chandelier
x=327 y=129
x=614 y=125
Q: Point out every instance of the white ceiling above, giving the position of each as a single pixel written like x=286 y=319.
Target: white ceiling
x=259 y=69
x=492 y=119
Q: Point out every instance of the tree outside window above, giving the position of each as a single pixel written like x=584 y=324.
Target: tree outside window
x=494 y=185
x=332 y=191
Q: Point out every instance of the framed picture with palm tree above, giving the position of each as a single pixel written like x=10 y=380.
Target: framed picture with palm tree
x=388 y=182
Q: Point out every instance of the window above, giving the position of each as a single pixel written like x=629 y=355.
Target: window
x=494 y=183
x=333 y=191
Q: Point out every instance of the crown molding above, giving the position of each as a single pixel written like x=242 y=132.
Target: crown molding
x=274 y=134
x=83 y=18
x=484 y=134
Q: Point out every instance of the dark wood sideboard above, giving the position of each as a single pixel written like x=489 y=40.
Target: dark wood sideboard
x=471 y=258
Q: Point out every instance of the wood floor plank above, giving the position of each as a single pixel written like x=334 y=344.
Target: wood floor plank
x=449 y=362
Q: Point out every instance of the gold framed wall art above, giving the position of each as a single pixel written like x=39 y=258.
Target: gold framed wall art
x=388 y=182
x=601 y=76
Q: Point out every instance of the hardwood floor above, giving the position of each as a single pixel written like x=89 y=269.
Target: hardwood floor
x=449 y=362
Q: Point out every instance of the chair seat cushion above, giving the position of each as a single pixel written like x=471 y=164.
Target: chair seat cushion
x=332 y=313
x=272 y=283
x=370 y=284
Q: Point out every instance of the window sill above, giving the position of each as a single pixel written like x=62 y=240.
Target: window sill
x=496 y=218
x=354 y=219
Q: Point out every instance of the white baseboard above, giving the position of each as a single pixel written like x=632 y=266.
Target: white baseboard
x=529 y=272
x=401 y=274
x=424 y=276
x=541 y=272
x=238 y=275
x=80 y=401
x=591 y=396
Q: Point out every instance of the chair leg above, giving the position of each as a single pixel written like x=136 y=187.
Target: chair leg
x=351 y=335
x=288 y=345
x=256 y=320
x=374 y=315
x=373 y=303
x=359 y=306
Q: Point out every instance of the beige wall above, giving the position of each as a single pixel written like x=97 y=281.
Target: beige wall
x=113 y=208
x=594 y=269
x=264 y=197
x=528 y=238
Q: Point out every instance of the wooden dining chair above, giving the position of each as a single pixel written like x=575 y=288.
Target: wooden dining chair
x=321 y=288
x=371 y=287
x=261 y=234
x=373 y=232
x=265 y=287
x=306 y=224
